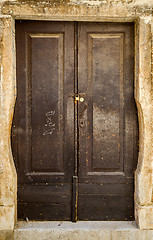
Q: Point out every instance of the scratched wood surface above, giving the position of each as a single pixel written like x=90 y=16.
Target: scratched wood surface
x=59 y=179
x=108 y=139
x=44 y=116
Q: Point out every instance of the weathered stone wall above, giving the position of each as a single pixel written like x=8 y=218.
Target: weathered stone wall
x=143 y=96
x=7 y=100
x=138 y=11
x=83 y=8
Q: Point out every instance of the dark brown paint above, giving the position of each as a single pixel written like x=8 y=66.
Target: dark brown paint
x=108 y=137
x=75 y=160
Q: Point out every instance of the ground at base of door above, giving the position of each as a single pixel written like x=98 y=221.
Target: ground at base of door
x=77 y=231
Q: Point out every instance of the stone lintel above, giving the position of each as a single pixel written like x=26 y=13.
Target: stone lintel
x=126 y=10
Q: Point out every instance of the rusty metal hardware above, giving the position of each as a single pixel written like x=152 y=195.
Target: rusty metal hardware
x=77 y=97
x=82 y=123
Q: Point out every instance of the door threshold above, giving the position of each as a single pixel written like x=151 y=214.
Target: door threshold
x=99 y=230
x=80 y=225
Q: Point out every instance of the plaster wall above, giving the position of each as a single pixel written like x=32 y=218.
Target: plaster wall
x=138 y=11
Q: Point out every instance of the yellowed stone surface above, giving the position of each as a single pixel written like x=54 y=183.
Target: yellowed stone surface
x=7 y=99
x=138 y=11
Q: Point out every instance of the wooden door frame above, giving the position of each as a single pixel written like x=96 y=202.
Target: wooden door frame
x=143 y=92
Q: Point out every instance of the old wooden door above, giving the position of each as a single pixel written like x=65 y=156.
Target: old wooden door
x=107 y=121
x=74 y=133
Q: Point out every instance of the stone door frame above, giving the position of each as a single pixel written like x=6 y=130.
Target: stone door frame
x=70 y=10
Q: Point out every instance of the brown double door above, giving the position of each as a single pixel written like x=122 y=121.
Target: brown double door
x=74 y=133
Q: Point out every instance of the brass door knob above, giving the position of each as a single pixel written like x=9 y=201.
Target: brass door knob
x=81 y=99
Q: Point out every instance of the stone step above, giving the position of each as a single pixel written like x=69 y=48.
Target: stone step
x=78 y=231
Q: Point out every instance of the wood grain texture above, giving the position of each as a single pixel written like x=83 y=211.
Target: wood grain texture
x=75 y=159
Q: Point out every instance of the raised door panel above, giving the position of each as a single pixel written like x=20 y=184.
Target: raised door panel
x=105 y=73
x=45 y=102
